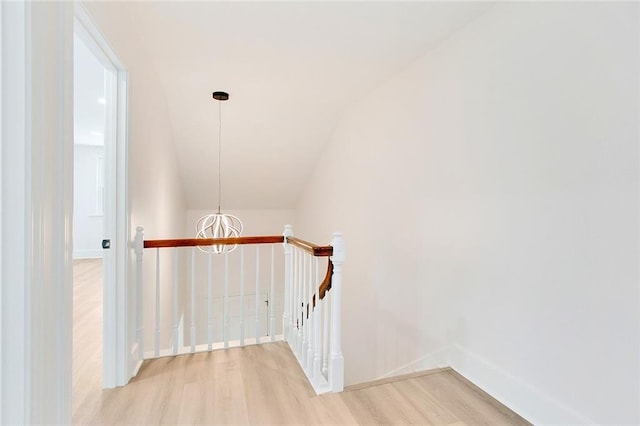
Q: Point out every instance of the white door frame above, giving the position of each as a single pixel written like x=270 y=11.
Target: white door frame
x=1 y=137
x=36 y=247
x=36 y=153
x=116 y=354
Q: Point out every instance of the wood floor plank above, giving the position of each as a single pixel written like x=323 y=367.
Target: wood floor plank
x=508 y=415
x=227 y=390
x=430 y=410
x=329 y=409
x=465 y=402
x=87 y=338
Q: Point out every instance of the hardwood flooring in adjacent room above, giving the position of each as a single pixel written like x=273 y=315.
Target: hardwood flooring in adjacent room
x=87 y=336
x=264 y=385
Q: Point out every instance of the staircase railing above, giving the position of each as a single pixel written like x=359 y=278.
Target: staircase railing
x=314 y=313
x=195 y=301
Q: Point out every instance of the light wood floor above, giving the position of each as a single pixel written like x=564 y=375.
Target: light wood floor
x=87 y=336
x=264 y=385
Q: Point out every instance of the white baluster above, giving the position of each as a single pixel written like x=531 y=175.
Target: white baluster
x=241 y=295
x=310 y=319
x=326 y=314
x=209 y=300
x=309 y=311
x=271 y=300
x=175 y=300
x=336 y=370
x=305 y=297
x=139 y=304
x=299 y=301
x=193 y=299
x=294 y=301
x=257 y=294
x=286 y=315
x=157 y=336
x=317 y=321
x=225 y=309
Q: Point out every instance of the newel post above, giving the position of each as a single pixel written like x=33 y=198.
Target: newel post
x=288 y=271
x=336 y=367
x=139 y=249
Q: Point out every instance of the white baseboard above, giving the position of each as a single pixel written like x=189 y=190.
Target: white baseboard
x=136 y=363
x=526 y=400
x=136 y=369
x=436 y=359
x=87 y=254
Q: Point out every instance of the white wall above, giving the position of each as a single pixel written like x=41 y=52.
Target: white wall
x=488 y=196
x=88 y=174
x=88 y=228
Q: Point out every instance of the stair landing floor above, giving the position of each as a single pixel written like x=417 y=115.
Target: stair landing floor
x=264 y=385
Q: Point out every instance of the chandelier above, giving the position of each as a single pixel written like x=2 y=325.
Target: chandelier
x=219 y=225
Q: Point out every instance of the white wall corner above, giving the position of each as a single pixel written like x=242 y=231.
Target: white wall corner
x=526 y=400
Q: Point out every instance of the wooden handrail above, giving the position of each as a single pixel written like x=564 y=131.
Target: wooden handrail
x=192 y=242
x=314 y=249
x=323 y=288
x=325 y=285
x=310 y=248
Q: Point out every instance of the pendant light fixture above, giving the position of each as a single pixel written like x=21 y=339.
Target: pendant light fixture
x=219 y=225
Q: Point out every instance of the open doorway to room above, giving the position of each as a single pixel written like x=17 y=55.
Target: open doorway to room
x=101 y=351
x=91 y=133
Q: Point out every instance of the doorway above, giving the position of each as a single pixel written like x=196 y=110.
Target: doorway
x=101 y=224
x=91 y=139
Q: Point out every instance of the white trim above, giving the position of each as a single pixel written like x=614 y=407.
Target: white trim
x=16 y=238
x=435 y=359
x=50 y=300
x=526 y=400
x=521 y=397
x=37 y=148
x=118 y=365
x=1 y=404
x=638 y=235
x=135 y=366
x=110 y=353
x=215 y=346
x=122 y=244
x=94 y=38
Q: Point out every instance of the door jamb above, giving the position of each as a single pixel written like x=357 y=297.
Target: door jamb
x=117 y=360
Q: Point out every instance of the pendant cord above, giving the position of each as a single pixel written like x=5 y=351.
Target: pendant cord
x=219 y=155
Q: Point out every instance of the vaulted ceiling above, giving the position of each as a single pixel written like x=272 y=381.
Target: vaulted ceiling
x=292 y=70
